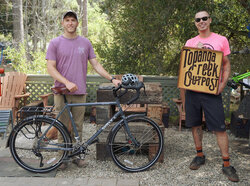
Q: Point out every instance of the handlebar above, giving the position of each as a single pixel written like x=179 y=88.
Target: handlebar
x=237 y=79
x=136 y=86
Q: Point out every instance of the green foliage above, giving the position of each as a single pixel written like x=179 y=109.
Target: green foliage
x=139 y=36
x=148 y=35
x=99 y=29
x=5 y=38
x=231 y=19
x=33 y=63
x=6 y=20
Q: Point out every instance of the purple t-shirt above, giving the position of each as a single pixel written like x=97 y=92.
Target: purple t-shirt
x=71 y=56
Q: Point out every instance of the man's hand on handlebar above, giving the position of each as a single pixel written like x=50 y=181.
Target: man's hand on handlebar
x=116 y=82
x=137 y=86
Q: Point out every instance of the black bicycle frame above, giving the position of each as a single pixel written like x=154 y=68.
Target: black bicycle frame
x=94 y=136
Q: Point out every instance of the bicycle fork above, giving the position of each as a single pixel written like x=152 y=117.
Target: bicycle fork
x=126 y=127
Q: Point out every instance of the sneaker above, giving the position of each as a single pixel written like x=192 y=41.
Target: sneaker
x=197 y=162
x=63 y=166
x=230 y=172
x=80 y=163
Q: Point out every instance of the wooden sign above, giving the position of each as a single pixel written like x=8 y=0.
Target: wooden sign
x=200 y=69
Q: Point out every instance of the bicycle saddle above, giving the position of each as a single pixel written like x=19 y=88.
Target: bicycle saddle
x=59 y=90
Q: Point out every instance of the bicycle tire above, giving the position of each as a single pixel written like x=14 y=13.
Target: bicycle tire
x=24 y=145
x=126 y=155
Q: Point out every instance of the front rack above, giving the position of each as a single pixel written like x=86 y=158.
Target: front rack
x=30 y=111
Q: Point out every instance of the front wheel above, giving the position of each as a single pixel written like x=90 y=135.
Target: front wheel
x=35 y=150
x=142 y=152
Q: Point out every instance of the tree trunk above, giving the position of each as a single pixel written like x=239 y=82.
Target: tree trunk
x=84 y=10
x=18 y=30
x=43 y=29
x=85 y=18
x=34 y=25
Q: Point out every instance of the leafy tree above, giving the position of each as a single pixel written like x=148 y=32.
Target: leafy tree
x=148 y=35
x=45 y=25
x=6 y=18
x=19 y=60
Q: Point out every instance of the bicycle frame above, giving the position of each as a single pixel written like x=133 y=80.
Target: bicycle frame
x=239 y=77
x=94 y=136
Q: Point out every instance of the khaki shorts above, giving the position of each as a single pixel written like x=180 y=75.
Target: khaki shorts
x=77 y=112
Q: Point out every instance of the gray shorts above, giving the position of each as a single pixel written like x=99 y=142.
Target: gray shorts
x=212 y=106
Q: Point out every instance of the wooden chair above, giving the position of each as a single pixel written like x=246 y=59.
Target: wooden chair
x=180 y=103
x=13 y=90
x=45 y=98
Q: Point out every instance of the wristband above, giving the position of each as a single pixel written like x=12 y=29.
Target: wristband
x=112 y=79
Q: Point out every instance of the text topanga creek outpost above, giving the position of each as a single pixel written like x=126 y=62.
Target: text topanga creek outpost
x=200 y=69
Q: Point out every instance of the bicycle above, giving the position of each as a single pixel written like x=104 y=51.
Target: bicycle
x=128 y=141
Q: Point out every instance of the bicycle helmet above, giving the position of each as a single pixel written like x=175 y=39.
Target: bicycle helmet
x=129 y=79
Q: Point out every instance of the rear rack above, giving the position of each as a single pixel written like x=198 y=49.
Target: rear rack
x=30 y=111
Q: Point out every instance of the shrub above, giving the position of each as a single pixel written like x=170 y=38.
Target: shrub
x=29 y=63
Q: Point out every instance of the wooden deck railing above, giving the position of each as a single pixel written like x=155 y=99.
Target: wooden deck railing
x=40 y=84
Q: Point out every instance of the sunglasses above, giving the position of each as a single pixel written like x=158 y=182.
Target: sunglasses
x=203 y=19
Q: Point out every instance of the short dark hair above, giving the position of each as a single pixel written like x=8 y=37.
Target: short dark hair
x=202 y=11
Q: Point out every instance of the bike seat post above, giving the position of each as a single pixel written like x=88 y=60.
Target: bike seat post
x=62 y=91
x=64 y=97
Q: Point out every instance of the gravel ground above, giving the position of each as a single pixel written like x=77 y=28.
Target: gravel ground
x=178 y=153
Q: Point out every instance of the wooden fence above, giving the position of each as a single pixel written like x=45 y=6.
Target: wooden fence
x=40 y=84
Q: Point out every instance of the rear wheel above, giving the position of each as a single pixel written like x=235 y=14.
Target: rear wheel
x=141 y=156
x=34 y=151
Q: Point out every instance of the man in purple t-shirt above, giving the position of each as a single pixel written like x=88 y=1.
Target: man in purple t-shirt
x=211 y=105
x=67 y=59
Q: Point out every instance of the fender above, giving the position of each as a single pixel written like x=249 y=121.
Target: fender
x=31 y=118
x=121 y=121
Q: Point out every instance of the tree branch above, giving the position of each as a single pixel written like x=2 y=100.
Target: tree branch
x=245 y=4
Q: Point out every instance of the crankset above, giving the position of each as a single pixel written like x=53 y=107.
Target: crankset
x=78 y=151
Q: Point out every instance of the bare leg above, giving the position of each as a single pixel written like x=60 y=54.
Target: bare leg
x=222 y=140
x=199 y=160
x=197 y=135
x=229 y=171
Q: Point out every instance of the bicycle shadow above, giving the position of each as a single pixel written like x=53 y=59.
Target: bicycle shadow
x=9 y=168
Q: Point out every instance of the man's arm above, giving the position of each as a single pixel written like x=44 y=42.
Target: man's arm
x=52 y=70
x=226 y=69
x=100 y=70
